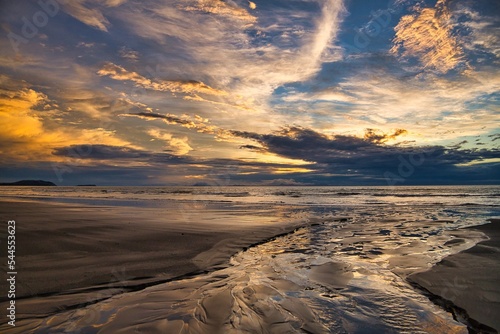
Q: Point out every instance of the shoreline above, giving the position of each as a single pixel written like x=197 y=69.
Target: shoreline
x=84 y=254
x=466 y=283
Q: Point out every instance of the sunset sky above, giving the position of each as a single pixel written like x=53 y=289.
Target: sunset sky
x=274 y=92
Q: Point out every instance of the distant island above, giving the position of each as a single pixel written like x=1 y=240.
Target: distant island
x=86 y=185
x=29 y=183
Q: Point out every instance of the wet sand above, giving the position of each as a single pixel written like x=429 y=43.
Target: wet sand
x=65 y=251
x=180 y=265
x=468 y=283
x=300 y=282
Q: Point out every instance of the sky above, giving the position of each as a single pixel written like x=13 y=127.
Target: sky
x=238 y=92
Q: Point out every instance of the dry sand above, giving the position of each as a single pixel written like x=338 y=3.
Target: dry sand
x=63 y=251
x=468 y=283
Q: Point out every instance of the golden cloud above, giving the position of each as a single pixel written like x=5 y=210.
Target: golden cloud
x=290 y=170
x=24 y=135
x=376 y=136
x=222 y=8
x=427 y=35
x=194 y=90
x=179 y=146
x=175 y=86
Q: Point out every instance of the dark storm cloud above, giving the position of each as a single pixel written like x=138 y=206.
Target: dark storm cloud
x=369 y=158
x=107 y=152
x=342 y=160
x=145 y=164
x=301 y=143
x=332 y=159
x=309 y=145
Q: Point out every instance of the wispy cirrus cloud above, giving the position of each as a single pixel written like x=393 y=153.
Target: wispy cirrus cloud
x=234 y=56
x=86 y=12
x=90 y=12
x=483 y=32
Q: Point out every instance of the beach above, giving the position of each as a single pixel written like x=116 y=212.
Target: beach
x=467 y=283
x=268 y=260
x=65 y=251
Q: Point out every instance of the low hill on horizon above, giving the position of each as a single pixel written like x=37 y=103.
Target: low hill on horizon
x=29 y=183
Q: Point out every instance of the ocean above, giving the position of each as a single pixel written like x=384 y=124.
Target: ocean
x=487 y=196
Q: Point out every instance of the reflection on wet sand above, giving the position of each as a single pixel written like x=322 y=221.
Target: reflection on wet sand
x=343 y=275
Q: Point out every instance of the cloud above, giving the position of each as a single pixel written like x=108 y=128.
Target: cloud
x=198 y=124
x=114 y=3
x=482 y=31
x=25 y=134
x=98 y=106
x=246 y=72
x=109 y=157
x=253 y=148
x=85 y=45
x=366 y=157
x=90 y=16
x=179 y=146
x=378 y=137
x=287 y=44
x=342 y=154
x=218 y=7
x=327 y=27
x=131 y=55
x=376 y=165
x=175 y=86
x=298 y=142
x=332 y=94
x=430 y=106
x=111 y=152
x=16 y=117
x=427 y=35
